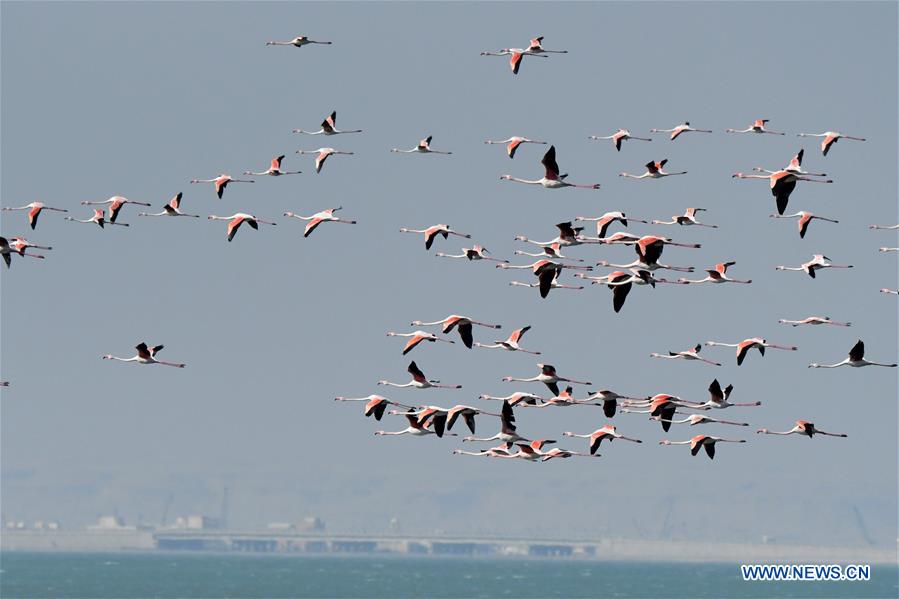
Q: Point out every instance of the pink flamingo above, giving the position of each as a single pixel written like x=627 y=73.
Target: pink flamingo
x=433 y=231
x=513 y=143
x=694 y=419
x=596 y=438
x=477 y=252
x=96 y=219
x=419 y=380
x=274 y=170
x=239 y=218
x=814 y=320
x=856 y=359
x=115 y=205
x=689 y=354
x=322 y=155
x=221 y=182
x=511 y=343
x=552 y=179
x=653 y=171
x=803 y=427
x=417 y=337
x=830 y=138
x=782 y=184
x=34 y=211
x=700 y=441
x=375 y=405
x=618 y=137
x=758 y=126
x=680 y=129
x=463 y=324
x=329 y=127
x=744 y=346
x=325 y=216
x=516 y=398
x=717 y=275
x=173 y=208
x=548 y=376
x=720 y=399
x=423 y=147
x=6 y=250
x=603 y=222
x=805 y=218
x=686 y=219
x=299 y=42
x=818 y=262
x=145 y=355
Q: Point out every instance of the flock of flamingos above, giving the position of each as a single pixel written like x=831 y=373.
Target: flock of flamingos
x=547 y=270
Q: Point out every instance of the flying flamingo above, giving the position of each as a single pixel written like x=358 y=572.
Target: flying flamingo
x=640 y=277
x=6 y=250
x=563 y=400
x=516 y=398
x=322 y=155
x=274 y=170
x=467 y=413
x=551 y=252
x=548 y=377
x=814 y=320
x=423 y=147
x=782 y=184
x=689 y=354
x=513 y=143
x=237 y=219
x=415 y=428
x=427 y=416
x=803 y=427
x=653 y=171
x=221 y=182
x=805 y=218
x=686 y=219
x=115 y=205
x=596 y=438
x=856 y=359
x=325 y=216
x=757 y=127
x=553 y=284
x=433 y=231
x=145 y=355
x=717 y=275
x=473 y=253
x=609 y=400
x=556 y=452
x=662 y=405
x=329 y=127
x=20 y=244
x=885 y=227
x=888 y=250
x=603 y=222
x=508 y=431
x=795 y=166
x=511 y=343
x=34 y=211
x=500 y=451
x=417 y=337
x=173 y=208
x=890 y=291
x=720 y=399
x=462 y=323
x=678 y=130
x=620 y=283
x=375 y=405
x=568 y=236
x=830 y=138
x=97 y=219
x=536 y=45
x=516 y=54
x=818 y=262
x=700 y=441
x=744 y=346
x=546 y=272
x=419 y=380
x=299 y=42
x=618 y=137
x=694 y=419
x=552 y=179
x=649 y=249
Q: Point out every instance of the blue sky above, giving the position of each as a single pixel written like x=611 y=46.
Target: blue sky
x=137 y=99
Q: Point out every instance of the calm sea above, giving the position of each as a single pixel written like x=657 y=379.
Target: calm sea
x=207 y=575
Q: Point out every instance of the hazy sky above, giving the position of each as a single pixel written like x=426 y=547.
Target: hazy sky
x=136 y=99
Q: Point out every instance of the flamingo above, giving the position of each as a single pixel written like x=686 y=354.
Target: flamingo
x=552 y=179
x=720 y=399
x=554 y=284
x=653 y=171
x=640 y=277
x=473 y=253
x=516 y=54
x=563 y=400
x=221 y=182
x=700 y=441
x=689 y=354
x=620 y=283
x=795 y=166
x=173 y=208
x=322 y=155
x=462 y=323
x=818 y=262
x=758 y=126
x=618 y=137
x=814 y=320
x=536 y=45
x=237 y=219
x=423 y=147
x=299 y=42
x=415 y=428
x=744 y=346
x=890 y=291
x=274 y=170
x=548 y=377
x=375 y=405
x=603 y=222
x=145 y=355
x=662 y=405
x=883 y=227
x=511 y=342
x=596 y=438
x=805 y=218
x=329 y=127
x=97 y=219
x=20 y=244
x=115 y=205
x=856 y=359
x=568 y=236
x=694 y=419
x=513 y=143
x=467 y=413
x=6 y=250
x=325 y=216
x=688 y=218
x=888 y=250
x=546 y=272
x=717 y=275
x=419 y=380
x=516 y=398
x=508 y=431
x=551 y=252
x=609 y=400
x=830 y=138
x=427 y=416
x=556 y=452
x=501 y=451
x=417 y=337
x=620 y=238
x=782 y=184
x=34 y=211
x=803 y=427
x=679 y=129
x=648 y=260
x=433 y=231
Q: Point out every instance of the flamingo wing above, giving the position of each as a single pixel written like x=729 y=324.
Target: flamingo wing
x=311 y=226
x=512 y=147
x=515 y=62
x=465 y=332
x=858 y=351
x=550 y=164
x=416 y=372
x=33 y=214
